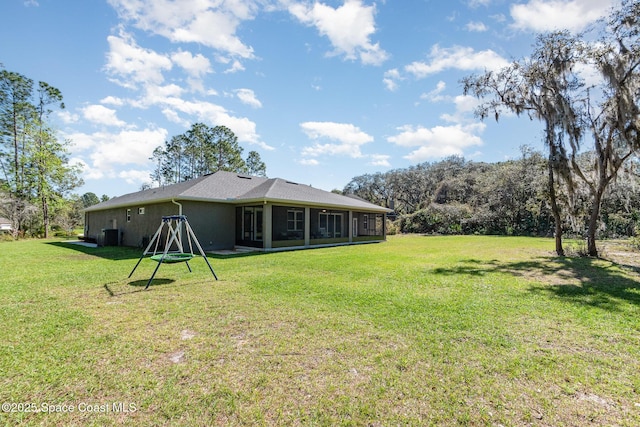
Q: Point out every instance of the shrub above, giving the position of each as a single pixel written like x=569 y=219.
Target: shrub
x=437 y=218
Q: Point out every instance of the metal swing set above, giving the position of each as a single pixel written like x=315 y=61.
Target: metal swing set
x=174 y=225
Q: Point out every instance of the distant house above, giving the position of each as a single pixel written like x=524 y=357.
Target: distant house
x=5 y=225
x=227 y=210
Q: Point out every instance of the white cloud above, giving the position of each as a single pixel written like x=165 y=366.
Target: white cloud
x=466 y=103
x=67 y=117
x=132 y=64
x=212 y=23
x=380 y=160
x=309 y=162
x=87 y=171
x=436 y=94
x=499 y=17
x=112 y=100
x=156 y=94
x=437 y=142
x=349 y=139
x=196 y=66
x=247 y=96
x=102 y=153
x=102 y=115
x=207 y=112
x=348 y=27
x=476 y=27
x=134 y=176
x=548 y=15
x=235 y=67
x=476 y=3
x=589 y=72
x=391 y=78
x=457 y=57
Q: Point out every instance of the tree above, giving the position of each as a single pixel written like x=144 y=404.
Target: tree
x=15 y=110
x=48 y=155
x=255 y=165
x=542 y=87
x=225 y=150
x=68 y=215
x=34 y=163
x=613 y=114
x=89 y=199
x=200 y=151
x=608 y=112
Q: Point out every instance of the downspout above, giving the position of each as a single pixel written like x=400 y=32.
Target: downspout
x=179 y=205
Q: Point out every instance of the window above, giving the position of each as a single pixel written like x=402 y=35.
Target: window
x=295 y=220
x=365 y=222
x=140 y=211
x=128 y=215
x=330 y=224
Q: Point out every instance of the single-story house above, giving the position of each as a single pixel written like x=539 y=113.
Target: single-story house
x=5 y=225
x=227 y=210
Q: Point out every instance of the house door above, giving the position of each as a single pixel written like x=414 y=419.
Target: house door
x=252 y=223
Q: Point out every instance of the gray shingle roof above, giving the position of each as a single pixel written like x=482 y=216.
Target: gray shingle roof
x=234 y=188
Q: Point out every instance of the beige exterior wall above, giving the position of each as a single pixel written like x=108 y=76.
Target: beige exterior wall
x=213 y=224
x=132 y=224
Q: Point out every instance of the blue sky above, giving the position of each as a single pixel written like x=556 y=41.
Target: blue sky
x=323 y=90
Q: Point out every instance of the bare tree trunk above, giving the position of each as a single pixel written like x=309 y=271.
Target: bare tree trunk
x=593 y=224
x=45 y=216
x=555 y=209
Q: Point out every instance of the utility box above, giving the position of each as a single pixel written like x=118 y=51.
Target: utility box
x=110 y=237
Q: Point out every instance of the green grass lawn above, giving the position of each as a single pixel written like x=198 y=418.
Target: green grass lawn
x=414 y=331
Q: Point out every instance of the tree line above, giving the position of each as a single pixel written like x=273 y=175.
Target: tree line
x=600 y=115
x=36 y=179
x=455 y=196
x=35 y=176
x=591 y=137
x=202 y=150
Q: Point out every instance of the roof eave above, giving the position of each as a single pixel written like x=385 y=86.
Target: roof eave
x=162 y=200
x=272 y=200
x=235 y=201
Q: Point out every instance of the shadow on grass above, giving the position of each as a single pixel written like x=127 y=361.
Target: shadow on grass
x=114 y=253
x=155 y=282
x=139 y=286
x=236 y=255
x=586 y=281
x=117 y=253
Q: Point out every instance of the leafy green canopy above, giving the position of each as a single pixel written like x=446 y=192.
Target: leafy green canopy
x=34 y=171
x=202 y=150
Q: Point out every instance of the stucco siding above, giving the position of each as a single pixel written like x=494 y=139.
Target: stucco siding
x=212 y=223
x=136 y=224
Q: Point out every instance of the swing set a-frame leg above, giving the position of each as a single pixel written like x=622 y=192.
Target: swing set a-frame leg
x=146 y=251
x=204 y=255
x=173 y=236
x=153 y=275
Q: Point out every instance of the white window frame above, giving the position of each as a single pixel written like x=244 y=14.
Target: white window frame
x=331 y=218
x=297 y=221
